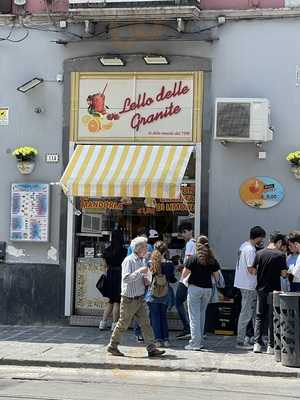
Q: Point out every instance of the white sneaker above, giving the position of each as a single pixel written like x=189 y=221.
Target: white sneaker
x=166 y=343
x=102 y=325
x=113 y=325
x=257 y=348
x=270 y=350
x=193 y=348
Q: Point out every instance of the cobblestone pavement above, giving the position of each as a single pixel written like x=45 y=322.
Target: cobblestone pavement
x=85 y=347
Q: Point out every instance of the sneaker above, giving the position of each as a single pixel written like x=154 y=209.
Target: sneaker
x=244 y=346
x=183 y=335
x=113 y=325
x=155 y=353
x=166 y=343
x=257 y=348
x=270 y=350
x=193 y=348
x=139 y=339
x=158 y=343
x=102 y=325
x=114 y=351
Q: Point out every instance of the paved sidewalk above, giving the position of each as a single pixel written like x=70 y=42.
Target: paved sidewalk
x=84 y=347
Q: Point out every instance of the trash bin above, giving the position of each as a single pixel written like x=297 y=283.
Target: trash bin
x=276 y=322
x=290 y=329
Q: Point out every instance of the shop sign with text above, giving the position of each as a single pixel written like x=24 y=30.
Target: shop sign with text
x=134 y=107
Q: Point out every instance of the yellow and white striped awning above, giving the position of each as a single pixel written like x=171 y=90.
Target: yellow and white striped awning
x=126 y=171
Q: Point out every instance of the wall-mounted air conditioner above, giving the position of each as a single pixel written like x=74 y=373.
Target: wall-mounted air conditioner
x=91 y=223
x=242 y=120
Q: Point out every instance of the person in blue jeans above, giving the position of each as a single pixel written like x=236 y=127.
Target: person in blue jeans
x=186 y=230
x=199 y=269
x=158 y=306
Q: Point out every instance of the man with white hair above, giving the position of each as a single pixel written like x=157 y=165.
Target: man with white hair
x=133 y=304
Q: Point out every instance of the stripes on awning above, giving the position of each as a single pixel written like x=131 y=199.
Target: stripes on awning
x=126 y=171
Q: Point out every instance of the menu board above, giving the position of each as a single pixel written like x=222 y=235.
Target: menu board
x=29 y=212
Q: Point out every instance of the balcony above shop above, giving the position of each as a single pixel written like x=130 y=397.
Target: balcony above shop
x=136 y=10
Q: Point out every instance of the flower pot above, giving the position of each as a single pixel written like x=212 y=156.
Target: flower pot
x=295 y=169
x=25 y=167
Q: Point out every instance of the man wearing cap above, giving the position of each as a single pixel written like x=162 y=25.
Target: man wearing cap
x=152 y=236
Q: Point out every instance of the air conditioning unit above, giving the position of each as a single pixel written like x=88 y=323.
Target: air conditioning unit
x=91 y=223
x=242 y=120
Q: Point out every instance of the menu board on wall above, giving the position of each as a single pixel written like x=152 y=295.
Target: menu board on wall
x=29 y=212
x=134 y=107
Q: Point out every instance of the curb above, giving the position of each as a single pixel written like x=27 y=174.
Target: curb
x=137 y=367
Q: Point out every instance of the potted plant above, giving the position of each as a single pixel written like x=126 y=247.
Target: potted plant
x=294 y=159
x=25 y=159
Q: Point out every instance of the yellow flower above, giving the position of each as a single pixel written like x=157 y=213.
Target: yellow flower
x=25 y=151
x=294 y=157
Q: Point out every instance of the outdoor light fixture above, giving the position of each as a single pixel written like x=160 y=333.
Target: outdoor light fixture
x=30 y=85
x=156 y=60
x=111 y=61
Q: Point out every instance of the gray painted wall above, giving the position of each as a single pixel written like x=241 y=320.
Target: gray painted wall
x=251 y=59
x=255 y=59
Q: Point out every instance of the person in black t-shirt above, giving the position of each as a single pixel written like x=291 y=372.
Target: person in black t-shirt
x=270 y=265
x=201 y=267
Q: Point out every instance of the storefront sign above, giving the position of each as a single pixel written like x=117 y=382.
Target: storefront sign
x=29 y=212
x=261 y=192
x=136 y=107
x=87 y=203
x=186 y=204
x=4 y=112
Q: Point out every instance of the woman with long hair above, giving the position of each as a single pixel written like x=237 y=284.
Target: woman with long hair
x=114 y=256
x=160 y=268
x=200 y=269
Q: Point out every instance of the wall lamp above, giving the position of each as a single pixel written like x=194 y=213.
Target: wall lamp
x=156 y=60
x=30 y=85
x=111 y=61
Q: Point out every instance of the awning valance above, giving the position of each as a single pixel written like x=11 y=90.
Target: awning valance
x=126 y=171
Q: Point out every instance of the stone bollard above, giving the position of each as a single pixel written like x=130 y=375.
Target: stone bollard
x=290 y=329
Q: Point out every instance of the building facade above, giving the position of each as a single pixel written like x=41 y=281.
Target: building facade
x=247 y=52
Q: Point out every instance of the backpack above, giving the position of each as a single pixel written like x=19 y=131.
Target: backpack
x=159 y=285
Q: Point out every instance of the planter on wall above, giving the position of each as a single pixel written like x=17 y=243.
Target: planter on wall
x=296 y=171
x=25 y=167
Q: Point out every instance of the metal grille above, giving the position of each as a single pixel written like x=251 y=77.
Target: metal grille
x=233 y=120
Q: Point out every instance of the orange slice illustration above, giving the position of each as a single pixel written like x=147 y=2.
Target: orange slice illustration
x=94 y=125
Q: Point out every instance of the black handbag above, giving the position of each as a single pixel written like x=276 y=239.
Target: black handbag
x=102 y=285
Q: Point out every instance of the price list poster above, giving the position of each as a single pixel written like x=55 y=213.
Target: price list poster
x=29 y=212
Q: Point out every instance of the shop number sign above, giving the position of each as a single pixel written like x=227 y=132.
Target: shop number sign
x=261 y=192
x=135 y=107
